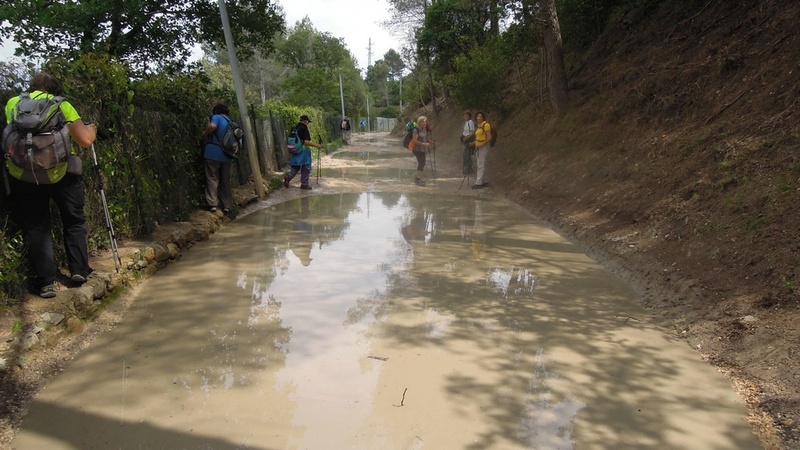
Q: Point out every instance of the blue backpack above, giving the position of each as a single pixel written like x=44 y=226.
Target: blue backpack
x=293 y=142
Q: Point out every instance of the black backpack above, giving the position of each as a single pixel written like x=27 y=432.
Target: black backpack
x=231 y=142
x=37 y=139
x=494 y=136
x=409 y=136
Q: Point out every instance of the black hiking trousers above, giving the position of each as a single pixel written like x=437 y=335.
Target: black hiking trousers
x=32 y=204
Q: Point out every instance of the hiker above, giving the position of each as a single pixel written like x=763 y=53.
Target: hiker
x=62 y=184
x=469 y=128
x=345 y=130
x=301 y=161
x=218 y=165
x=483 y=137
x=420 y=142
x=363 y=124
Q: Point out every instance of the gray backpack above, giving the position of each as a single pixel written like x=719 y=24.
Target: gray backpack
x=37 y=139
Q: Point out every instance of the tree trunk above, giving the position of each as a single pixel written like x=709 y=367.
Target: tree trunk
x=494 y=21
x=554 y=50
x=432 y=88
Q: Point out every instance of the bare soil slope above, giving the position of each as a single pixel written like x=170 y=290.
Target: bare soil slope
x=678 y=164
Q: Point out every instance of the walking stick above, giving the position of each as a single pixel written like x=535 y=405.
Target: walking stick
x=462 y=181
x=319 y=157
x=468 y=172
x=109 y=226
x=434 y=160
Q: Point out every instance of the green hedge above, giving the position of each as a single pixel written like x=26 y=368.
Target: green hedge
x=151 y=166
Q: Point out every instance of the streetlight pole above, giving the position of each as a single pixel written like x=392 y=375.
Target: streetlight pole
x=240 y=100
x=341 y=94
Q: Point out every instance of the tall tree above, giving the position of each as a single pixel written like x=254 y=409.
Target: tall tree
x=378 y=81
x=395 y=64
x=144 y=33
x=554 y=50
x=317 y=60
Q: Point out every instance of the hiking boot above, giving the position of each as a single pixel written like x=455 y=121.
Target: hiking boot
x=419 y=181
x=78 y=278
x=306 y=187
x=286 y=181
x=213 y=209
x=479 y=186
x=226 y=210
x=48 y=291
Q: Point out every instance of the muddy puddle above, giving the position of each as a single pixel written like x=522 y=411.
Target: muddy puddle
x=387 y=321
x=361 y=173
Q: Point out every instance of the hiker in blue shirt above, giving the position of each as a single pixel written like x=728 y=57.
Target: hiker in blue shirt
x=217 y=165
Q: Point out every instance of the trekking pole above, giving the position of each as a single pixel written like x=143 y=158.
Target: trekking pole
x=109 y=226
x=319 y=157
x=462 y=181
x=434 y=160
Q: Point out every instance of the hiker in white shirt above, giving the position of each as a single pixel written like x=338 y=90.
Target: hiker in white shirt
x=469 y=128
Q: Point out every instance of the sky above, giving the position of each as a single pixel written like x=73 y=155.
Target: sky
x=353 y=21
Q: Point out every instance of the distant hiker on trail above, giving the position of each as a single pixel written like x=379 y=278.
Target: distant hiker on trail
x=61 y=181
x=483 y=137
x=301 y=161
x=469 y=128
x=217 y=164
x=345 y=125
x=420 y=142
x=363 y=124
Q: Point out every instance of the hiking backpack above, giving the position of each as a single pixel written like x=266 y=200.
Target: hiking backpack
x=293 y=142
x=408 y=138
x=231 y=141
x=37 y=139
x=494 y=136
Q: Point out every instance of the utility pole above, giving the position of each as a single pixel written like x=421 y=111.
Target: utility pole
x=369 y=53
x=401 y=92
x=237 y=84
x=341 y=94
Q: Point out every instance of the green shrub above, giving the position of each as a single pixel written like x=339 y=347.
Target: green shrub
x=478 y=81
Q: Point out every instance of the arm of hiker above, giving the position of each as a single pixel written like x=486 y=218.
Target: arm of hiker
x=209 y=129
x=488 y=137
x=310 y=143
x=83 y=134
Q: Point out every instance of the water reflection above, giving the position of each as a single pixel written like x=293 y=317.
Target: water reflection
x=387 y=320
x=365 y=155
x=548 y=418
x=373 y=258
x=368 y=173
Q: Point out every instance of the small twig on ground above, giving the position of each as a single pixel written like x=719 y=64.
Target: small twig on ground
x=378 y=357
x=627 y=318
x=402 y=400
x=713 y=116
